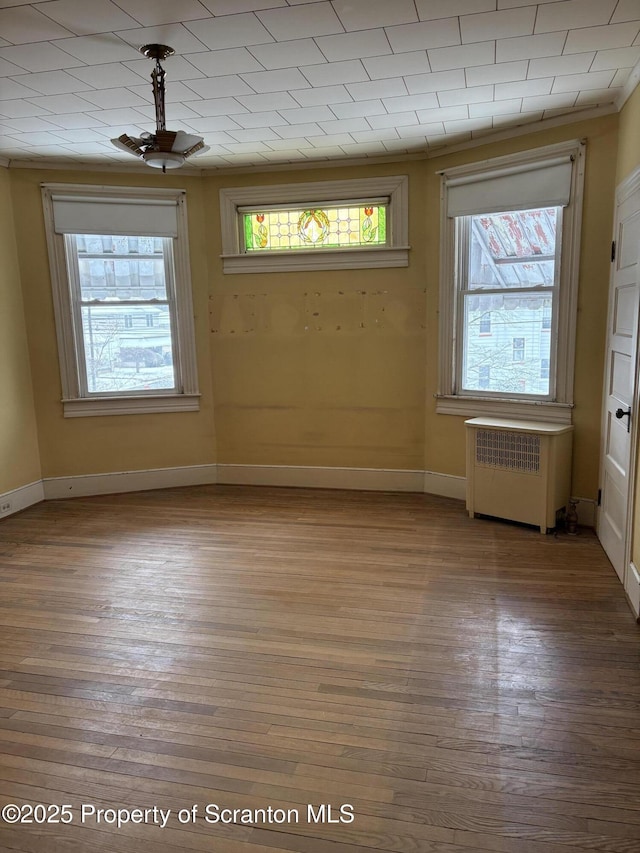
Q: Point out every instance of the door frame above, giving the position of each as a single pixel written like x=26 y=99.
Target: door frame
x=626 y=188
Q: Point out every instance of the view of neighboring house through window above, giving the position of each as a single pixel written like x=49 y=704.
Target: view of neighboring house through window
x=484 y=375
x=518 y=349
x=125 y=312
x=544 y=368
x=507 y=288
x=484 y=327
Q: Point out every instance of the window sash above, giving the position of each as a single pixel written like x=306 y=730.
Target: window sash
x=77 y=303
x=462 y=238
x=329 y=239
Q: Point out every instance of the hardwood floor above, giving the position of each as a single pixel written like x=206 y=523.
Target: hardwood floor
x=465 y=685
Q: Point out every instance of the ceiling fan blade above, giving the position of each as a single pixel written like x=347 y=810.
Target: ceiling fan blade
x=185 y=141
x=129 y=144
x=198 y=148
x=164 y=139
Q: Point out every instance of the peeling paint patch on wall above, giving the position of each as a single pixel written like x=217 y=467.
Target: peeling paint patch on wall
x=314 y=311
x=331 y=375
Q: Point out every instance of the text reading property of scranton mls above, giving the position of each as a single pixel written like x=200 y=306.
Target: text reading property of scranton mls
x=210 y=813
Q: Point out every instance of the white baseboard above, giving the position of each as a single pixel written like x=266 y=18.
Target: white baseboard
x=312 y=477
x=21 y=498
x=301 y=476
x=84 y=485
x=632 y=587
x=586 y=510
x=445 y=485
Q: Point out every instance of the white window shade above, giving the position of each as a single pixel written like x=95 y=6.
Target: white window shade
x=541 y=184
x=74 y=214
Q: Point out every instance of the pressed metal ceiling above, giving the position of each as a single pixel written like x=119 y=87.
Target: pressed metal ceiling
x=281 y=81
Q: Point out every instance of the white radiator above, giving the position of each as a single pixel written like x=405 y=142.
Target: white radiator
x=518 y=470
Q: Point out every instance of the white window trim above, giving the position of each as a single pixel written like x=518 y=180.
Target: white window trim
x=395 y=254
x=74 y=403
x=558 y=410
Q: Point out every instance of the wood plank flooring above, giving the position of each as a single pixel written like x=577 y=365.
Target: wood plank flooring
x=465 y=685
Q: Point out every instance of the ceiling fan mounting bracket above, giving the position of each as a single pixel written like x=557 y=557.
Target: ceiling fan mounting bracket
x=156 y=51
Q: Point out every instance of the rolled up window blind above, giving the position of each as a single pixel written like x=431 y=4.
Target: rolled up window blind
x=542 y=184
x=128 y=217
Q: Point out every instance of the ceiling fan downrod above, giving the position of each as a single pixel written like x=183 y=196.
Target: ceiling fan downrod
x=158 y=52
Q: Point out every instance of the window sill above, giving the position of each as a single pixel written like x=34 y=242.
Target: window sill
x=557 y=413
x=89 y=407
x=324 y=259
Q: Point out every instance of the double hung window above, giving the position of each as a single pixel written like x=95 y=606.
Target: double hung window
x=510 y=234
x=122 y=297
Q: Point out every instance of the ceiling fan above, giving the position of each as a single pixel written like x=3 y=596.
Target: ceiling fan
x=164 y=149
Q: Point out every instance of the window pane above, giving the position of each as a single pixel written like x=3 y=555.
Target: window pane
x=128 y=348
x=121 y=268
x=315 y=228
x=512 y=358
x=515 y=249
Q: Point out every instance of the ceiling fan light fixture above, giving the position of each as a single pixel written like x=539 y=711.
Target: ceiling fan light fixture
x=163 y=159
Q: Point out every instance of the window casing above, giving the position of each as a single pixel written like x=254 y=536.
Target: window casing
x=362 y=223
x=122 y=299
x=527 y=286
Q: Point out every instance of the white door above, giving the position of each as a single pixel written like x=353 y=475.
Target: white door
x=620 y=405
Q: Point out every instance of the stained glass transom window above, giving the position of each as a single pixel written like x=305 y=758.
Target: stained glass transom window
x=315 y=228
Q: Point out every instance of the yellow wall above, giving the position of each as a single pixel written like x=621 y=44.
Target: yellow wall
x=324 y=368
x=629 y=137
x=116 y=443
x=293 y=388
x=19 y=457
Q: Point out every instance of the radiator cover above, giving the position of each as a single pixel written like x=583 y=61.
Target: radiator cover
x=518 y=470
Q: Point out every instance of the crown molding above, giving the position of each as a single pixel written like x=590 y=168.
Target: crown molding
x=4 y=162
x=526 y=129
x=66 y=166
x=295 y=165
x=629 y=87
x=306 y=165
